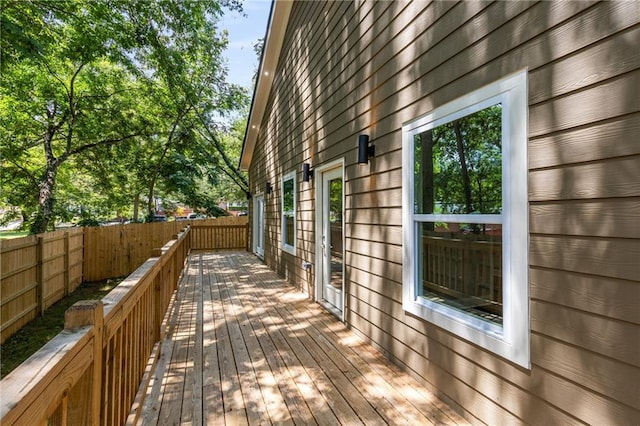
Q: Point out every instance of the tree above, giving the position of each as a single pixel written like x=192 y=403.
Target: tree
x=89 y=77
x=68 y=108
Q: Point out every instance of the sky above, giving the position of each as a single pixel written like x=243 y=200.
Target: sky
x=244 y=32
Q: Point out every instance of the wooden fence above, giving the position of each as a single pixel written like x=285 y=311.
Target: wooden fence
x=229 y=237
x=90 y=373
x=37 y=271
x=115 y=251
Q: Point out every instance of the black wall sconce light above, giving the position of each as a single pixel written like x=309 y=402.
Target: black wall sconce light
x=365 y=151
x=268 y=188
x=248 y=195
x=307 y=173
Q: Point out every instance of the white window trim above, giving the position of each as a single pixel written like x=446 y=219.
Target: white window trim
x=291 y=249
x=512 y=339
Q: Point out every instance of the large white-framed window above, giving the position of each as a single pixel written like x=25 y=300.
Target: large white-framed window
x=465 y=218
x=288 y=205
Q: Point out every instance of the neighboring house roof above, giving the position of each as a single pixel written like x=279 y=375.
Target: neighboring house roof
x=268 y=63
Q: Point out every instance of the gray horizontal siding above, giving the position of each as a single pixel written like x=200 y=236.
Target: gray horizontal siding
x=367 y=67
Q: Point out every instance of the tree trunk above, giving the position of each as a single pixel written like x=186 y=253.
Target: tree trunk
x=426 y=198
x=466 y=182
x=136 y=207
x=46 y=200
x=151 y=206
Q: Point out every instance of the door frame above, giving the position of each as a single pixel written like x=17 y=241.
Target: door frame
x=258 y=226
x=320 y=207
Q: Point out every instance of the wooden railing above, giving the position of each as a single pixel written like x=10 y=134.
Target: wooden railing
x=464 y=269
x=90 y=373
x=37 y=271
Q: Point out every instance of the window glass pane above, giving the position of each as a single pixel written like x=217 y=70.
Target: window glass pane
x=288 y=212
x=288 y=231
x=335 y=225
x=460 y=265
x=458 y=165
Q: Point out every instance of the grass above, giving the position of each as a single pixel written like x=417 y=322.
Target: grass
x=40 y=330
x=5 y=235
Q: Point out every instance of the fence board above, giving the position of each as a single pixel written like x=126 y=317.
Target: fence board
x=36 y=270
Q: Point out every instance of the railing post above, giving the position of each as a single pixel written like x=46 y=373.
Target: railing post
x=246 y=237
x=83 y=313
x=158 y=313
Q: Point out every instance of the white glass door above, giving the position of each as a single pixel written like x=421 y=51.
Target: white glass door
x=258 y=225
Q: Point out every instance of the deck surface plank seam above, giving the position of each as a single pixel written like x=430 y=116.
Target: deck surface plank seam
x=273 y=398
x=213 y=412
x=245 y=347
x=331 y=366
x=234 y=405
x=306 y=394
x=249 y=384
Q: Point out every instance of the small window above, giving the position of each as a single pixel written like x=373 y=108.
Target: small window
x=289 y=213
x=465 y=217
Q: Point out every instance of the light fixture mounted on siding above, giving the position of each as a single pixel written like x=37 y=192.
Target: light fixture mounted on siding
x=248 y=195
x=365 y=151
x=307 y=173
x=268 y=188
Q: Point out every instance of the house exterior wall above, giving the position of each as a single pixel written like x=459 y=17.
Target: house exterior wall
x=348 y=68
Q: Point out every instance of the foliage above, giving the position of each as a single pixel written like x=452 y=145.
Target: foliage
x=110 y=104
x=5 y=235
x=459 y=165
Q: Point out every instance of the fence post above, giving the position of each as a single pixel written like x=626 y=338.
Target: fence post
x=67 y=256
x=40 y=298
x=83 y=313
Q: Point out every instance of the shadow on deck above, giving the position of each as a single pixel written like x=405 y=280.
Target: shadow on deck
x=244 y=347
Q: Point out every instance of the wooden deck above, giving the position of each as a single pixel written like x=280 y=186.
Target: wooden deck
x=244 y=347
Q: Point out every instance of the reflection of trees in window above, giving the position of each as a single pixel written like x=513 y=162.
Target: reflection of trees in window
x=458 y=165
x=288 y=211
x=288 y=197
x=335 y=201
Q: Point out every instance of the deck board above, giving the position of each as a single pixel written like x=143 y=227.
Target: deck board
x=244 y=347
